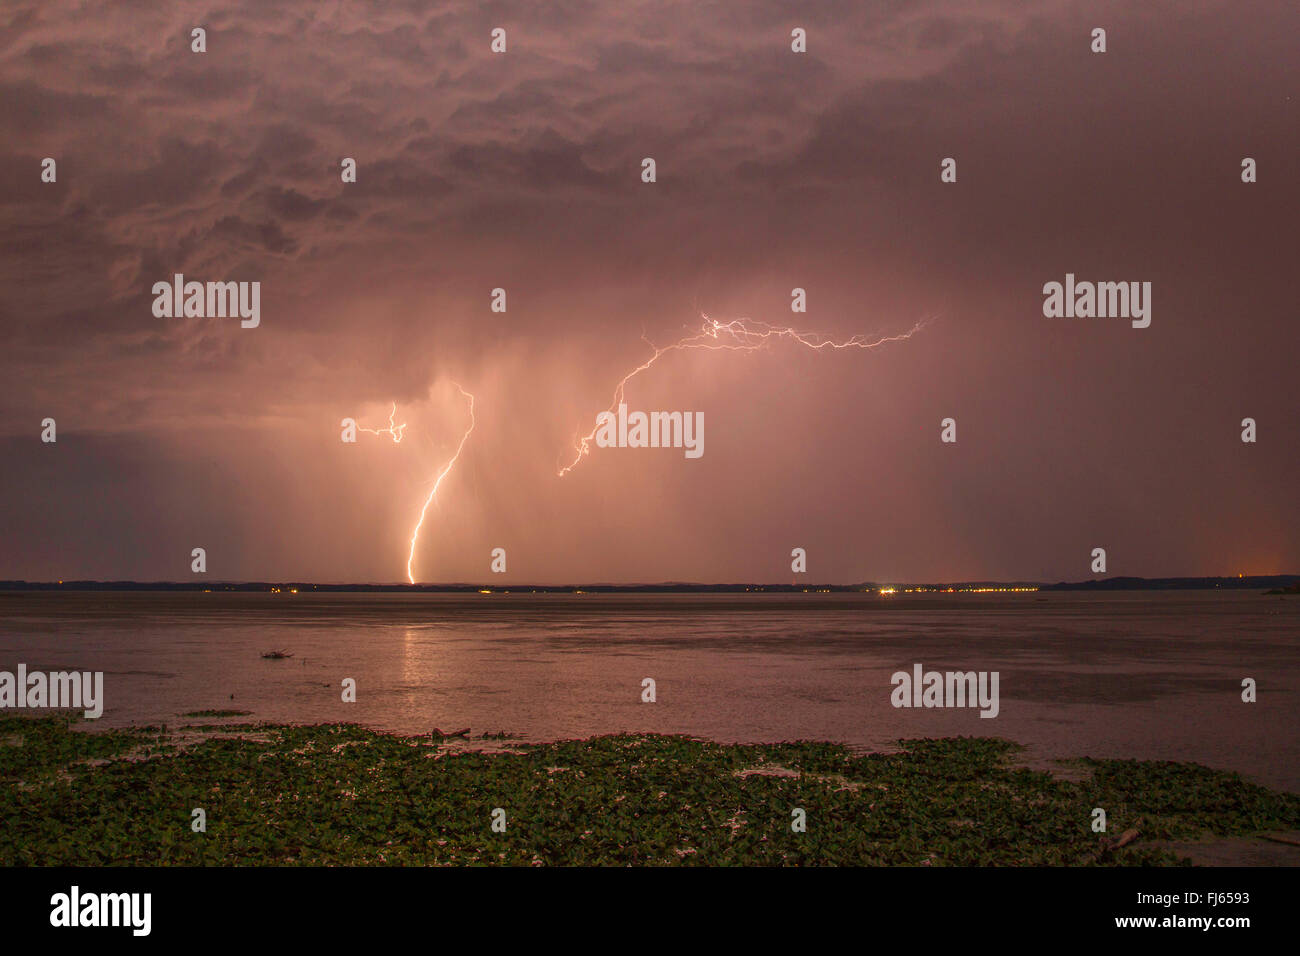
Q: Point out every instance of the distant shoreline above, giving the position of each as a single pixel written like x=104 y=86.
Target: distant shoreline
x=1273 y=583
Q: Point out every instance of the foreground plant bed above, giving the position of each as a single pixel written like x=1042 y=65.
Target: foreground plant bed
x=342 y=794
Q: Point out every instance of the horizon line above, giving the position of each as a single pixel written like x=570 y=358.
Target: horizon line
x=1129 y=582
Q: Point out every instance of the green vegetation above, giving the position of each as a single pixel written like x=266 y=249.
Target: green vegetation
x=342 y=794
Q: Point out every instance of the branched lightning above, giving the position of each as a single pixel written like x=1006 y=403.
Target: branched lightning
x=392 y=429
x=433 y=492
x=396 y=431
x=738 y=335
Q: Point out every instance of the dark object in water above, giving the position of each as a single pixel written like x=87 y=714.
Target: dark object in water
x=276 y=655
x=439 y=735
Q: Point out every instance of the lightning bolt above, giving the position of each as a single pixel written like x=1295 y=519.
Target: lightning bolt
x=738 y=335
x=394 y=430
x=433 y=492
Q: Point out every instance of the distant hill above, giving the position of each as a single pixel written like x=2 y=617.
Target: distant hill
x=1247 y=583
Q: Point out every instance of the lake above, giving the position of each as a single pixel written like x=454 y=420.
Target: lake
x=1147 y=675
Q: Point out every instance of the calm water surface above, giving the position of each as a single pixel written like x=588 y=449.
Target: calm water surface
x=1152 y=675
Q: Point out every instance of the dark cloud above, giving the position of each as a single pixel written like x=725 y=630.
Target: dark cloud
x=522 y=171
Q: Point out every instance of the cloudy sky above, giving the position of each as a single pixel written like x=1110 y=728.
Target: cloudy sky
x=522 y=171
